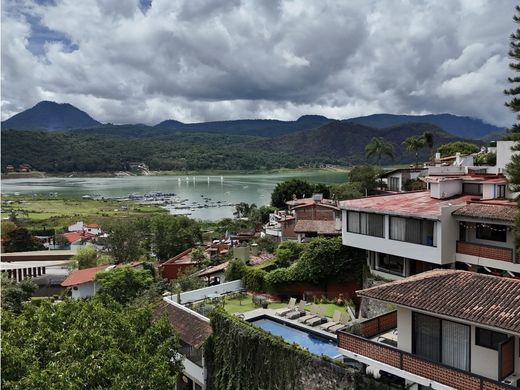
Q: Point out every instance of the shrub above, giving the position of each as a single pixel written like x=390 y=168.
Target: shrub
x=235 y=270
x=277 y=277
x=254 y=279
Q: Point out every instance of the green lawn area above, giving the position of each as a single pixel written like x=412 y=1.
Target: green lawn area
x=233 y=305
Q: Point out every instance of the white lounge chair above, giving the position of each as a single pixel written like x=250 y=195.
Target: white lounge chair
x=320 y=317
x=335 y=320
x=313 y=312
x=290 y=307
x=298 y=311
x=343 y=321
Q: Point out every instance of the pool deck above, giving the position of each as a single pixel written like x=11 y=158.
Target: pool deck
x=250 y=315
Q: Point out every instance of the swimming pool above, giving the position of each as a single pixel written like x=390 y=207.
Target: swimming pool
x=315 y=344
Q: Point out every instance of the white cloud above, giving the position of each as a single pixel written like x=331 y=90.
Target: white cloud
x=209 y=60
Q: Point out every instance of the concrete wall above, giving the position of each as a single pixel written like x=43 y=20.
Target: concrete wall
x=488 y=191
x=404 y=329
x=446 y=189
x=504 y=153
x=201 y=293
x=84 y=290
x=448 y=232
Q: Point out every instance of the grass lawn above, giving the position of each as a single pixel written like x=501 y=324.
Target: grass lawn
x=330 y=308
x=57 y=213
x=233 y=305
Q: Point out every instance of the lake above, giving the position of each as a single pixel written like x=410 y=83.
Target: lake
x=228 y=189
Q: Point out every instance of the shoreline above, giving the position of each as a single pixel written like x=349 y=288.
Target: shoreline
x=44 y=175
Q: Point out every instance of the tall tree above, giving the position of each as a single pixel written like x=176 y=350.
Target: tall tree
x=378 y=148
x=413 y=144
x=21 y=240
x=288 y=189
x=172 y=234
x=428 y=141
x=123 y=284
x=125 y=240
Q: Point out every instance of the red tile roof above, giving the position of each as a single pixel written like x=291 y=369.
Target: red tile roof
x=181 y=258
x=213 y=269
x=92 y=225
x=88 y=274
x=314 y=226
x=417 y=203
x=75 y=236
x=190 y=328
x=482 y=299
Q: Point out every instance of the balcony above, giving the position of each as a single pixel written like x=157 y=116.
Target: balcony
x=368 y=343
x=485 y=251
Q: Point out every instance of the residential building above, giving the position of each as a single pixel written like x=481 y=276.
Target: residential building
x=451 y=329
x=397 y=180
x=463 y=220
x=174 y=266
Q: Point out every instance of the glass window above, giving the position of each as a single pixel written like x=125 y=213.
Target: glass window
x=393 y=184
x=365 y=223
x=491 y=232
x=472 y=188
x=489 y=338
x=427 y=337
x=391 y=264
x=501 y=191
x=416 y=231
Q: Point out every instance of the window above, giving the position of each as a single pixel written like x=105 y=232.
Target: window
x=391 y=264
x=442 y=341
x=501 y=191
x=489 y=339
x=416 y=231
x=491 y=232
x=365 y=223
x=393 y=184
x=472 y=189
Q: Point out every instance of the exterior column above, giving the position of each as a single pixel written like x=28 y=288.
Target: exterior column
x=20 y=276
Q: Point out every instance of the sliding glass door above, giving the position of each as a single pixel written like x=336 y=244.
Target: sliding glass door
x=441 y=341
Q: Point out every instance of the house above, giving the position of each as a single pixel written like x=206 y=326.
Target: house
x=24 y=168
x=398 y=179
x=215 y=274
x=82 y=282
x=78 y=239
x=281 y=226
x=451 y=329
x=172 y=267
x=193 y=330
x=91 y=228
x=9 y=168
x=463 y=220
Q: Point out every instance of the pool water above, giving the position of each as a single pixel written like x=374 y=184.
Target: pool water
x=314 y=344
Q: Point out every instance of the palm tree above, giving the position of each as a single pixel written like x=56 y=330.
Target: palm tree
x=378 y=148
x=428 y=141
x=414 y=144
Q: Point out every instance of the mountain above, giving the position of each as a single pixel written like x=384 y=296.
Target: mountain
x=50 y=116
x=461 y=126
x=252 y=127
x=346 y=141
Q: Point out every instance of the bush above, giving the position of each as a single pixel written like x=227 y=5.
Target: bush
x=235 y=270
x=277 y=277
x=254 y=279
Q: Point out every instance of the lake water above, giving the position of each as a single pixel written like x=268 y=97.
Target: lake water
x=228 y=189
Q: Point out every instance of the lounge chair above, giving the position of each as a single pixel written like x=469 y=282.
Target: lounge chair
x=298 y=311
x=290 y=307
x=335 y=320
x=351 y=313
x=313 y=312
x=343 y=321
x=319 y=319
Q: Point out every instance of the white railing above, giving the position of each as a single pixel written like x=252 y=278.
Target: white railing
x=447 y=170
x=201 y=293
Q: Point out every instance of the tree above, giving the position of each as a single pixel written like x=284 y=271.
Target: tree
x=199 y=257
x=428 y=142
x=366 y=177
x=172 y=234
x=235 y=270
x=7 y=227
x=452 y=148
x=123 y=284
x=87 y=344
x=378 y=148
x=15 y=294
x=85 y=257
x=244 y=210
x=125 y=240
x=187 y=280
x=348 y=191
x=21 y=240
x=289 y=189
x=413 y=144
x=260 y=215
x=287 y=253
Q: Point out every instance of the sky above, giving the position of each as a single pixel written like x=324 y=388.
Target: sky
x=145 y=61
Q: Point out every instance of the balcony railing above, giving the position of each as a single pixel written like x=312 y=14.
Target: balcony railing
x=486 y=251
x=354 y=339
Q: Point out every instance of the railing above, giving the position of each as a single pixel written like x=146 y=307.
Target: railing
x=486 y=251
x=412 y=364
x=376 y=325
x=202 y=293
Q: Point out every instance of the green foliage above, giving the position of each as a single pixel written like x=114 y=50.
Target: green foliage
x=254 y=279
x=172 y=234
x=123 y=284
x=14 y=294
x=125 y=240
x=414 y=185
x=21 y=240
x=290 y=189
x=87 y=344
x=86 y=257
x=199 y=256
x=187 y=280
x=266 y=244
x=244 y=210
x=452 y=148
x=235 y=270
x=514 y=91
x=7 y=227
x=279 y=277
x=260 y=216
x=378 y=147
x=287 y=253
x=489 y=159
x=348 y=191
x=413 y=144
x=365 y=177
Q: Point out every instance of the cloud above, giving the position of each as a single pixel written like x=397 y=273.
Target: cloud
x=141 y=61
